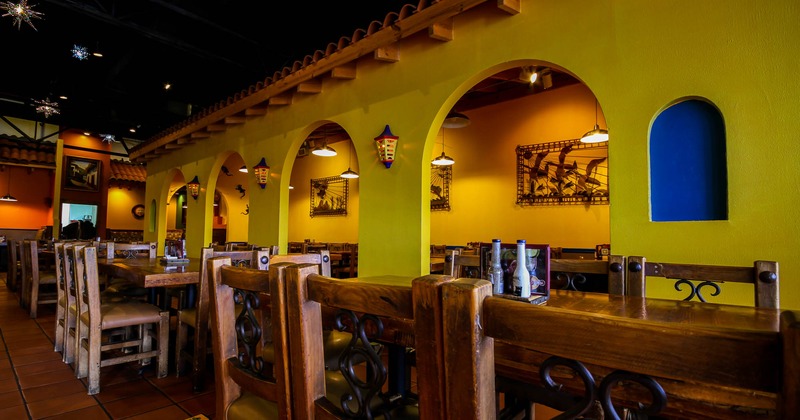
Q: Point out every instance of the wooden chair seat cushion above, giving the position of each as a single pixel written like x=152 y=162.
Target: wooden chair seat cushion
x=249 y=406
x=115 y=315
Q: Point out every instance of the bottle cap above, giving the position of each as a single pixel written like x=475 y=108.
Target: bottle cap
x=520 y=241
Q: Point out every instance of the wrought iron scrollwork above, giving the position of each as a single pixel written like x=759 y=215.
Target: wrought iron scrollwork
x=584 y=403
x=696 y=290
x=570 y=280
x=248 y=332
x=360 y=350
x=659 y=397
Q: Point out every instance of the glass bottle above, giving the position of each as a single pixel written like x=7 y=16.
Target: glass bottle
x=496 y=272
x=522 y=277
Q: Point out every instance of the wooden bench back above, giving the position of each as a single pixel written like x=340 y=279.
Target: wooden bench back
x=763 y=275
x=393 y=314
x=692 y=359
x=569 y=274
x=457 y=264
x=321 y=258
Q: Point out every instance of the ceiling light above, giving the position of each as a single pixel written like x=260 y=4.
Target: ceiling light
x=167 y=86
x=455 y=120
x=21 y=12
x=97 y=54
x=132 y=129
x=46 y=107
x=443 y=159
x=243 y=169
x=325 y=150
x=8 y=196
x=64 y=97
x=596 y=134
x=528 y=74
x=80 y=52
x=291 y=187
x=349 y=173
x=110 y=138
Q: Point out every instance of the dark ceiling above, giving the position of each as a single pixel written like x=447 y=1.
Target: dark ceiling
x=207 y=50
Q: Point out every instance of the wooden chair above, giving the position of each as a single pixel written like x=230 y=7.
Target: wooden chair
x=592 y=352
x=438 y=250
x=396 y=315
x=14 y=270
x=195 y=318
x=62 y=304
x=38 y=285
x=105 y=249
x=321 y=258
x=248 y=387
x=123 y=286
x=95 y=318
x=345 y=266
x=457 y=264
x=603 y=276
x=763 y=276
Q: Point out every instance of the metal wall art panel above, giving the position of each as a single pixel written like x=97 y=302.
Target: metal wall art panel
x=329 y=196
x=441 y=176
x=562 y=172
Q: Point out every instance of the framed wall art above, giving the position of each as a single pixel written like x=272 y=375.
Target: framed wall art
x=329 y=196
x=82 y=174
x=441 y=176
x=562 y=172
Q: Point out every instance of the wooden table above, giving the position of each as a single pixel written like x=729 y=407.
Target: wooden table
x=150 y=273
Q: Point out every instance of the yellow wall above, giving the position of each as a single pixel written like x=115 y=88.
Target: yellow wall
x=639 y=59
x=484 y=188
x=120 y=206
x=322 y=228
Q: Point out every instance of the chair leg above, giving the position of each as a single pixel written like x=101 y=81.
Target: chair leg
x=163 y=345
x=81 y=354
x=93 y=362
x=70 y=337
x=181 y=339
x=58 y=341
x=34 y=302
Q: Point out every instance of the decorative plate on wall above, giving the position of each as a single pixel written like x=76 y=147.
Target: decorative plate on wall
x=138 y=211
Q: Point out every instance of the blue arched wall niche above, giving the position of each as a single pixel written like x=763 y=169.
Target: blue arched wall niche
x=688 y=170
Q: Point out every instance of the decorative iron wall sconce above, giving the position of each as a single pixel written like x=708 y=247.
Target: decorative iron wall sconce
x=194 y=187
x=387 y=143
x=262 y=173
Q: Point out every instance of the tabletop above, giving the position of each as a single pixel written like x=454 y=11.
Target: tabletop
x=150 y=272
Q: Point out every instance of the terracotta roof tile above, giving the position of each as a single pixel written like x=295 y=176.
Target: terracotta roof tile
x=126 y=171
x=22 y=151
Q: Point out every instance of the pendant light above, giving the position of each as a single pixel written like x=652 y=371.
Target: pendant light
x=597 y=134
x=443 y=159
x=325 y=150
x=455 y=120
x=8 y=196
x=349 y=173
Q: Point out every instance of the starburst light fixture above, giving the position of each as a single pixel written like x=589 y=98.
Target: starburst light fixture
x=21 y=12
x=80 y=52
x=108 y=138
x=47 y=108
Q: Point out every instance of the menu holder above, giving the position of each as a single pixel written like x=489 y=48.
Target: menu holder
x=508 y=261
x=174 y=261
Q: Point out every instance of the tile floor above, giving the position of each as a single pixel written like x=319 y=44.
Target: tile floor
x=36 y=384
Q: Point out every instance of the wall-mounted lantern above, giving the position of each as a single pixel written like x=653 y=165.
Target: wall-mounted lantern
x=387 y=143
x=261 y=172
x=193 y=187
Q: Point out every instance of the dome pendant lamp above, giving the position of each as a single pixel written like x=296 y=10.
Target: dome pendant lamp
x=8 y=196
x=596 y=134
x=443 y=159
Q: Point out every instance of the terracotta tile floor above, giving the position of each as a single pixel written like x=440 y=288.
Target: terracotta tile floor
x=35 y=384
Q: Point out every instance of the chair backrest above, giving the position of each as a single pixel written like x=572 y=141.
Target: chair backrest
x=438 y=250
x=143 y=250
x=321 y=258
x=61 y=285
x=105 y=249
x=72 y=251
x=629 y=345
x=763 y=275
x=396 y=315
x=238 y=362
x=255 y=259
x=604 y=276
x=457 y=264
